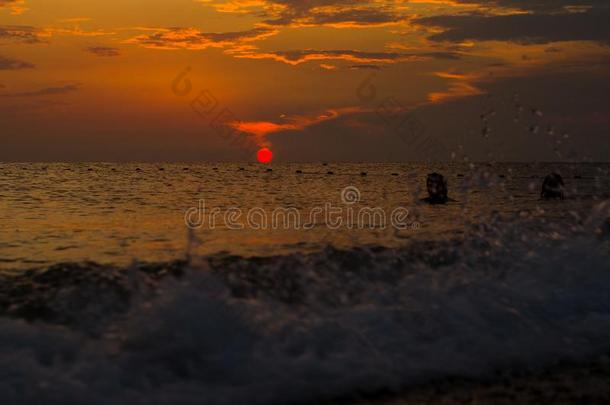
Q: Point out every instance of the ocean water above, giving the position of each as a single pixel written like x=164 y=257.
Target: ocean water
x=106 y=296
x=117 y=213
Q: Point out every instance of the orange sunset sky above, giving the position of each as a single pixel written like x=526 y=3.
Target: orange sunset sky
x=351 y=80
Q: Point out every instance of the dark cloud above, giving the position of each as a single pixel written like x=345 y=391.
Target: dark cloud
x=442 y=55
x=360 y=57
x=14 y=64
x=104 y=51
x=20 y=33
x=220 y=37
x=543 y=6
x=48 y=91
x=238 y=44
x=191 y=38
x=358 y=16
x=322 y=12
x=523 y=28
x=365 y=67
x=355 y=13
x=300 y=55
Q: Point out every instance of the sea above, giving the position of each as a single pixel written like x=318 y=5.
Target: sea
x=227 y=283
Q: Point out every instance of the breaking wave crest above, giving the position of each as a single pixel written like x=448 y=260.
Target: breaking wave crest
x=523 y=291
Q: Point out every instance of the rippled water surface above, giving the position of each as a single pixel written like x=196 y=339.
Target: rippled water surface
x=114 y=213
x=106 y=298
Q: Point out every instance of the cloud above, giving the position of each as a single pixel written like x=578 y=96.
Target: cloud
x=541 y=6
x=532 y=28
x=338 y=16
x=191 y=38
x=20 y=34
x=13 y=64
x=359 y=57
x=262 y=129
x=239 y=45
x=334 y=13
x=460 y=86
x=103 y=51
x=327 y=66
x=76 y=31
x=48 y=91
x=7 y=3
x=16 y=6
x=75 y=20
x=300 y=56
x=32 y=35
x=365 y=67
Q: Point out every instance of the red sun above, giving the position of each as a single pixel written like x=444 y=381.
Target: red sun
x=264 y=156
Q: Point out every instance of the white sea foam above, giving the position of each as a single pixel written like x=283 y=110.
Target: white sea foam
x=522 y=292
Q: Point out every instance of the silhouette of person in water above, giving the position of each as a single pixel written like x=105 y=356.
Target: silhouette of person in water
x=437 y=189
x=552 y=187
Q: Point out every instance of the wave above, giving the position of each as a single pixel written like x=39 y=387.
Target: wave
x=524 y=291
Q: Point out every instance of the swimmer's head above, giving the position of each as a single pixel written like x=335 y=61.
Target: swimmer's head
x=552 y=187
x=437 y=186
